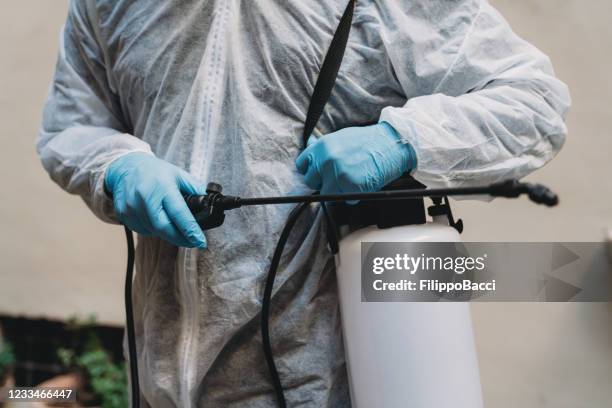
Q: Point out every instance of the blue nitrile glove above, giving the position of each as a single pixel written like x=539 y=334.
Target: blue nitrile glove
x=148 y=198
x=355 y=159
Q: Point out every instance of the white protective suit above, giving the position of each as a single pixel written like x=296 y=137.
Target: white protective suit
x=221 y=88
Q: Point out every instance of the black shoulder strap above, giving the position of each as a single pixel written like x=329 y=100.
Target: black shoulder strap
x=329 y=71
x=322 y=91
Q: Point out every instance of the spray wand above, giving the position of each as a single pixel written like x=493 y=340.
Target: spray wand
x=209 y=209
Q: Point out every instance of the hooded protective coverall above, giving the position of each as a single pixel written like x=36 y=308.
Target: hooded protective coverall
x=221 y=89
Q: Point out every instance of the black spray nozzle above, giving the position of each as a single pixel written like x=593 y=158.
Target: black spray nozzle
x=537 y=193
x=542 y=195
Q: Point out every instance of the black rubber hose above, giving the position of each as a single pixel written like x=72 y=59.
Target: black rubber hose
x=267 y=297
x=129 y=320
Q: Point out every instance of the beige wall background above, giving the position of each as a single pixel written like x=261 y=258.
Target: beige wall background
x=56 y=258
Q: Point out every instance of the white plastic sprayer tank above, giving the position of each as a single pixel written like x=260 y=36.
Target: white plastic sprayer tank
x=400 y=355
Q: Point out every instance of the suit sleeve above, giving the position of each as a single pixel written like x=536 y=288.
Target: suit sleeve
x=83 y=129
x=496 y=111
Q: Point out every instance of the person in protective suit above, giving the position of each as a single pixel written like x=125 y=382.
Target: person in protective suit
x=151 y=100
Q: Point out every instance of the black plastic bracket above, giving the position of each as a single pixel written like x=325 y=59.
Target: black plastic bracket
x=442 y=207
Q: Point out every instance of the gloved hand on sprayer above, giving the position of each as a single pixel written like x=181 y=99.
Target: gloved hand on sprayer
x=148 y=198
x=355 y=159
